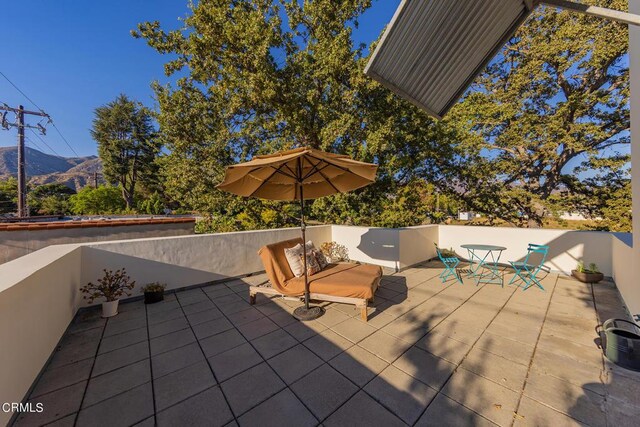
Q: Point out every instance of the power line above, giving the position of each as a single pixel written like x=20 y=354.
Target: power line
x=47 y=145
x=18 y=89
x=38 y=107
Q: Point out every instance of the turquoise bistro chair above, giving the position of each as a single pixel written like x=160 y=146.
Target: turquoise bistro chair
x=450 y=264
x=528 y=270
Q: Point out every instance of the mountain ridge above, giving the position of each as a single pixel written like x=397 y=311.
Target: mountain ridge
x=42 y=168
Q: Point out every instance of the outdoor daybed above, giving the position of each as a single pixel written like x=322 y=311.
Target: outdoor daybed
x=347 y=283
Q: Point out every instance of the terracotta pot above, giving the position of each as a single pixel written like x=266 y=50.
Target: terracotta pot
x=110 y=308
x=153 y=297
x=587 y=277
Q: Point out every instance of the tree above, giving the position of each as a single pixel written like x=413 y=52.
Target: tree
x=267 y=75
x=49 y=199
x=97 y=201
x=127 y=144
x=8 y=196
x=556 y=94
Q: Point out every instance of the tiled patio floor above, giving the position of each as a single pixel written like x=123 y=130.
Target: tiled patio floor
x=431 y=354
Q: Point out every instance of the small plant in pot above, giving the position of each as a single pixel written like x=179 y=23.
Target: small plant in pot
x=112 y=286
x=153 y=292
x=589 y=274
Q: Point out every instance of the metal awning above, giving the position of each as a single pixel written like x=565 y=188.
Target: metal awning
x=432 y=50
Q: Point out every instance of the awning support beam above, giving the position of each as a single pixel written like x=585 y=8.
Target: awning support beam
x=601 y=12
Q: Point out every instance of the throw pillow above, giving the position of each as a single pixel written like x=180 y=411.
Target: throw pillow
x=312 y=264
x=322 y=260
x=294 y=258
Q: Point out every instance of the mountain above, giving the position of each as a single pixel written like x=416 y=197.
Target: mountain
x=42 y=168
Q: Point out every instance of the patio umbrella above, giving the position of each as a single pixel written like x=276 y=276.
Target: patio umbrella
x=299 y=174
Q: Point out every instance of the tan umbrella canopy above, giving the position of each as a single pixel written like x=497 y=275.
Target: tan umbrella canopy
x=301 y=172
x=298 y=174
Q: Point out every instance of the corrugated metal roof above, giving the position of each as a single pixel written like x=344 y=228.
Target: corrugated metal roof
x=433 y=49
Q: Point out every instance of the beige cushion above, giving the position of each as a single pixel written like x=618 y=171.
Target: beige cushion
x=294 y=258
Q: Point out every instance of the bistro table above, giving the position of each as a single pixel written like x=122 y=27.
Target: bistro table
x=485 y=258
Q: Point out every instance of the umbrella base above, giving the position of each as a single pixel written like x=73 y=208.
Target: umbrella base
x=303 y=313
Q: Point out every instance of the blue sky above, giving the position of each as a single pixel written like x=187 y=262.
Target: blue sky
x=71 y=57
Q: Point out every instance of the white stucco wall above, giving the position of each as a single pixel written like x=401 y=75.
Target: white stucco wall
x=189 y=260
x=38 y=299
x=566 y=247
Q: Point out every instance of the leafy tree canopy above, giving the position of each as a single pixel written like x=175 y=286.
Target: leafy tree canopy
x=127 y=145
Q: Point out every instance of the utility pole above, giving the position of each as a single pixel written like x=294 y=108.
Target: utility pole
x=95 y=179
x=22 y=175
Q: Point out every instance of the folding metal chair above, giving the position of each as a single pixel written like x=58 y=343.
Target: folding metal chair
x=450 y=264
x=528 y=271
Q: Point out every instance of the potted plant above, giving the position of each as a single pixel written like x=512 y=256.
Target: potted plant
x=153 y=292
x=111 y=286
x=589 y=274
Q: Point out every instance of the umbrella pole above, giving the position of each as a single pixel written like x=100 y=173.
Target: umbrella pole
x=303 y=227
x=305 y=312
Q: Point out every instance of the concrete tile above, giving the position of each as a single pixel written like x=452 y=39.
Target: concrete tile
x=498 y=369
x=180 y=385
x=57 y=404
x=465 y=332
x=248 y=389
x=198 y=307
x=401 y=393
x=328 y=344
x=86 y=320
x=66 y=354
x=446 y=412
x=271 y=344
x=82 y=337
x=385 y=346
x=57 y=378
x=204 y=316
x=406 y=328
x=378 y=319
x=257 y=328
x=245 y=316
x=283 y=319
x=125 y=315
x=580 y=374
x=154 y=318
x=116 y=382
x=444 y=347
x=283 y=409
x=162 y=307
x=124 y=409
x=425 y=367
x=177 y=359
x=489 y=399
x=148 y=422
x=269 y=308
x=294 y=363
x=302 y=331
x=68 y=421
x=332 y=317
x=362 y=410
x=122 y=357
x=579 y=403
x=585 y=354
x=222 y=342
x=212 y=327
x=171 y=341
x=114 y=328
x=167 y=327
x=621 y=414
x=354 y=330
x=122 y=340
x=217 y=290
x=324 y=390
x=233 y=307
x=204 y=409
x=512 y=350
x=532 y=413
x=358 y=365
x=231 y=362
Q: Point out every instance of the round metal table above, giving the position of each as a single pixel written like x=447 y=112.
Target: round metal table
x=486 y=258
